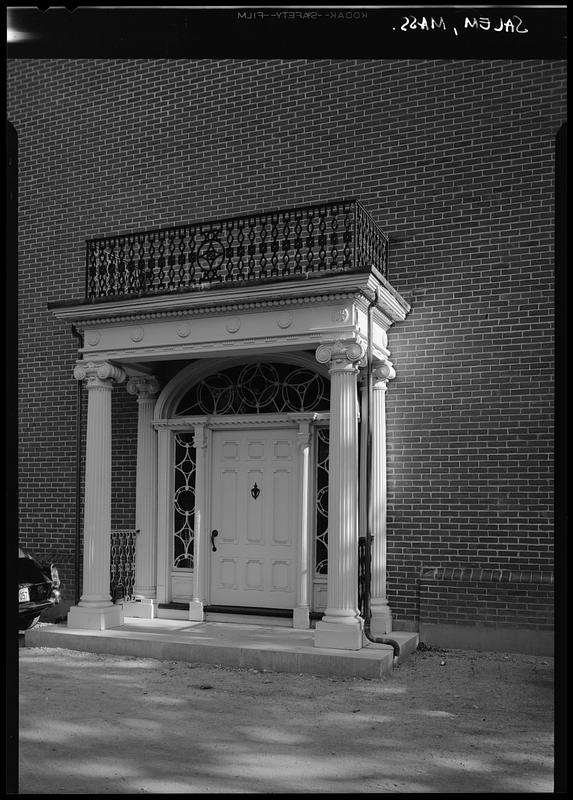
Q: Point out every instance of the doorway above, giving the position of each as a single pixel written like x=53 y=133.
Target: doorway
x=254 y=518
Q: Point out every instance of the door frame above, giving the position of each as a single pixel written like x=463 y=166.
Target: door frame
x=203 y=427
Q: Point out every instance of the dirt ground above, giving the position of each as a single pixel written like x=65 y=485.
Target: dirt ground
x=445 y=721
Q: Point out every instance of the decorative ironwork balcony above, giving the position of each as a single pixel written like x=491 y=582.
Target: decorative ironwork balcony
x=291 y=243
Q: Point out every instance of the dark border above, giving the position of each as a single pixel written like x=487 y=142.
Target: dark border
x=318 y=31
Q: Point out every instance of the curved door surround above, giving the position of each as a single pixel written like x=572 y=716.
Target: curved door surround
x=255 y=513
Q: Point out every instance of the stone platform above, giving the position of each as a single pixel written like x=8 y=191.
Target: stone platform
x=278 y=649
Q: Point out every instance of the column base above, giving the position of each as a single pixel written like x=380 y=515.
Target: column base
x=196 y=611
x=339 y=636
x=301 y=618
x=95 y=619
x=380 y=620
x=146 y=608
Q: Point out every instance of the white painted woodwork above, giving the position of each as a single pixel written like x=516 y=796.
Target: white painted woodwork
x=95 y=609
x=264 y=554
x=241 y=321
x=341 y=626
x=165 y=456
x=255 y=562
x=301 y=613
x=145 y=389
x=381 y=615
x=200 y=553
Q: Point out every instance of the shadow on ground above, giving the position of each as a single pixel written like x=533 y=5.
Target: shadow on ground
x=443 y=722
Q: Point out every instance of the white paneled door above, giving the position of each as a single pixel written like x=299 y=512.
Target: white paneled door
x=254 y=514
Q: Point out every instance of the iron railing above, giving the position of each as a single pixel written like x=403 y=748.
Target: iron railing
x=122 y=564
x=274 y=245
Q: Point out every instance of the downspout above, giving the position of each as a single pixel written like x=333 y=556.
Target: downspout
x=368 y=544
x=77 y=540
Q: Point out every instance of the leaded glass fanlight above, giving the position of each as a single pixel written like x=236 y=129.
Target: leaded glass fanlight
x=258 y=388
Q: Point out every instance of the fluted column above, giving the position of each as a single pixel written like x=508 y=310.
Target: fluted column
x=381 y=615
x=197 y=604
x=145 y=388
x=341 y=626
x=95 y=610
x=301 y=614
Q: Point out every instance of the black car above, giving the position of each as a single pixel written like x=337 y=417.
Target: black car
x=38 y=589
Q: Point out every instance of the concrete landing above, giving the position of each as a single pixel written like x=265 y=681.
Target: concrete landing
x=234 y=645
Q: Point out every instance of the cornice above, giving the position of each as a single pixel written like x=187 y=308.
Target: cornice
x=84 y=322
x=334 y=288
x=215 y=422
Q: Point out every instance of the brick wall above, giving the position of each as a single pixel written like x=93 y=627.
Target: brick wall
x=506 y=598
x=479 y=606
x=454 y=159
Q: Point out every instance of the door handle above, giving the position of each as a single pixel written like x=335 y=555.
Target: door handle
x=213 y=534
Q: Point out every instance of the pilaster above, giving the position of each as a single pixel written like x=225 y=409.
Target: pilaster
x=301 y=614
x=197 y=604
x=381 y=615
x=341 y=627
x=145 y=389
x=95 y=610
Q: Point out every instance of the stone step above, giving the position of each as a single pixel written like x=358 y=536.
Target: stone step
x=259 y=647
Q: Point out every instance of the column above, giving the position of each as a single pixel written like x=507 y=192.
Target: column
x=197 y=604
x=341 y=626
x=301 y=614
x=145 y=388
x=95 y=610
x=381 y=616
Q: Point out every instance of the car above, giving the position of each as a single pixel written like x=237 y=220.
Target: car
x=38 y=589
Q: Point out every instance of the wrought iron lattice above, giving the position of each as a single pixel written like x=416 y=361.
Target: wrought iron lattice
x=122 y=564
x=275 y=245
x=321 y=542
x=256 y=388
x=184 y=502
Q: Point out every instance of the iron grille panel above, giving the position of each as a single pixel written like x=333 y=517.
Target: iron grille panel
x=184 y=502
x=122 y=564
x=321 y=502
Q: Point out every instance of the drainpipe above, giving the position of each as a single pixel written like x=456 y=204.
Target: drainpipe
x=77 y=541
x=368 y=547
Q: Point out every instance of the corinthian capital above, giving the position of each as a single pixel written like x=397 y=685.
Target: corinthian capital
x=341 y=354
x=143 y=386
x=100 y=373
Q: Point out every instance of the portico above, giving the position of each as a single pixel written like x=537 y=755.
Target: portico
x=232 y=473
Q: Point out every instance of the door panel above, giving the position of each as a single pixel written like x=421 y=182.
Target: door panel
x=255 y=510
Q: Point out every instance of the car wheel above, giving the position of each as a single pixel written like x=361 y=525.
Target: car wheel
x=25 y=623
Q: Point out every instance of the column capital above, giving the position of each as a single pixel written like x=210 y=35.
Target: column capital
x=144 y=387
x=98 y=373
x=382 y=372
x=199 y=436
x=343 y=355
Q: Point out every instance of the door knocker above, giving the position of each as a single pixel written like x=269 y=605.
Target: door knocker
x=255 y=491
